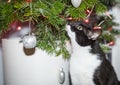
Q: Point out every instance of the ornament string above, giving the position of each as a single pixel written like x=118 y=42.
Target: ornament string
x=29 y=26
x=91 y=11
x=101 y=23
x=106 y=13
x=30 y=4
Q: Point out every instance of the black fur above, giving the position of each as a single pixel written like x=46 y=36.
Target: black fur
x=80 y=35
x=104 y=74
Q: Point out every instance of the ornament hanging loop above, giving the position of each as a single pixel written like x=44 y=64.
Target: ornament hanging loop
x=30 y=4
x=91 y=11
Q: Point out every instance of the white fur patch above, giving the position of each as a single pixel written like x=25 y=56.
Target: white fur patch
x=82 y=62
x=82 y=66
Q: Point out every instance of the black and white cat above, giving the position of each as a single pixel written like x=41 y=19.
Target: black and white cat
x=88 y=64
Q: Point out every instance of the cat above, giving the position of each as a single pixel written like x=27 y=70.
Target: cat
x=88 y=63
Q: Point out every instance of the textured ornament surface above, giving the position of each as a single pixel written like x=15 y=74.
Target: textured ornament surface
x=29 y=41
x=76 y=3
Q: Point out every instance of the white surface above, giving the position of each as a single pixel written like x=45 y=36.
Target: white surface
x=116 y=49
x=115 y=11
x=38 y=69
x=1 y=69
x=116 y=57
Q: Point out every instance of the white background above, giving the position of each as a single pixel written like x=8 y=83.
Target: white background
x=1 y=70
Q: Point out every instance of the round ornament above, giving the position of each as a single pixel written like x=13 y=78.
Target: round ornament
x=29 y=41
x=28 y=0
x=8 y=1
x=111 y=43
x=88 y=11
x=110 y=29
x=14 y=25
x=86 y=21
x=97 y=28
x=76 y=3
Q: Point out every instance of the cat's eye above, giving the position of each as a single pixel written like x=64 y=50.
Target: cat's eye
x=79 y=27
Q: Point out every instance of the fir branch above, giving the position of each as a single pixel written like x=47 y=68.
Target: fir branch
x=49 y=19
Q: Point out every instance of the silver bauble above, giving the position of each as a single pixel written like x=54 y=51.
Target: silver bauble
x=29 y=41
x=61 y=76
x=76 y=3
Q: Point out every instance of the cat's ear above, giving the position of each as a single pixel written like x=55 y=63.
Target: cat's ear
x=93 y=34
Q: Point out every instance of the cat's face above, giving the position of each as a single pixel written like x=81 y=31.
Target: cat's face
x=82 y=33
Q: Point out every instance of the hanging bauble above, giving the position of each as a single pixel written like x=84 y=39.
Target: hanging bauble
x=28 y=0
x=29 y=41
x=110 y=29
x=14 y=25
x=111 y=43
x=69 y=18
x=8 y=1
x=61 y=78
x=97 y=28
x=19 y=28
x=76 y=3
x=86 y=21
x=88 y=11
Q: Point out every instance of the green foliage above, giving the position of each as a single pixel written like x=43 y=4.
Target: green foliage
x=86 y=4
x=108 y=29
x=100 y=8
x=6 y=16
x=51 y=40
x=49 y=17
x=105 y=48
x=108 y=33
x=107 y=36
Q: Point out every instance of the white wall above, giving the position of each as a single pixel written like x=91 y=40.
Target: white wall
x=1 y=70
x=37 y=69
x=116 y=57
x=116 y=48
x=115 y=11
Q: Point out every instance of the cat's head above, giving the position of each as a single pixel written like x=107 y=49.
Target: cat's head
x=82 y=33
